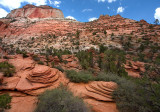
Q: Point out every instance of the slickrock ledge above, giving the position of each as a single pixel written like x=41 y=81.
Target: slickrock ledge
x=101 y=90
x=98 y=94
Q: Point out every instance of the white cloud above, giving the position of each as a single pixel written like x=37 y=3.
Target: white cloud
x=92 y=19
x=157 y=14
x=3 y=13
x=108 y=8
x=70 y=17
x=57 y=3
x=17 y=3
x=109 y=1
x=87 y=10
x=101 y=0
x=120 y=9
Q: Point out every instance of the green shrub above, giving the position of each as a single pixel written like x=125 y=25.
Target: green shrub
x=60 y=52
x=157 y=60
x=134 y=95
x=65 y=61
x=5 y=99
x=77 y=77
x=59 y=68
x=94 y=33
x=60 y=100
x=113 y=62
x=41 y=63
x=105 y=32
x=102 y=48
x=24 y=53
x=5 y=57
x=85 y=59
x=52 y=64
x=7 y=69
x=36 y=58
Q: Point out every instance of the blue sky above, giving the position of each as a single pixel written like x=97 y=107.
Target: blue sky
x=87 y=10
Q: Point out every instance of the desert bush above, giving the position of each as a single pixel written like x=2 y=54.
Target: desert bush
x=85 y=59
x=94 y=33
x=7 y=69
x=59 y=68
x=5 y=100
x=35 y=58
x=157 y=60
x=65 y=61
x=77 y=77
x=113 y=62
x=52 y=63
x=41 y=62
x=60 y=52
x=60 y=100
x=5 y=57
x=102 y=48
x=134 y=95
x=24 y=53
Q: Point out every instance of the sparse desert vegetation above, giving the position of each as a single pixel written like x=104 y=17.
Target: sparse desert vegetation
x=110 y=64
x=60 y=100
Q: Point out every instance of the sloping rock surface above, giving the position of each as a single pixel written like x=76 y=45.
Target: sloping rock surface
x=29 y=81
x=97 y=94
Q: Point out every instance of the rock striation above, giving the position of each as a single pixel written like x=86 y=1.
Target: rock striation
x=29 y=81
x=43 y=74
x=31 y=11
x=97 y=94
x=100 y=90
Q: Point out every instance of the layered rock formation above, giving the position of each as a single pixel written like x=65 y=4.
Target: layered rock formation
x=135 y=68
x=32 y=79
x=97 y=94
x=43 y=74
x=29 y=81
x=31 y=11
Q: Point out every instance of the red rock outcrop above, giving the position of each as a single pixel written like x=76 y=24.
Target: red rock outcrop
x=135 y=68
x=71 y=62
x=29 y=81
x=97 y=94
x=31 y=11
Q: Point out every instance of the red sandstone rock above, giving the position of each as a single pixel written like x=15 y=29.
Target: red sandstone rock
x=31 y=11
x=43 y=74
x=97 y=94
x=9 y=83
x=23 y=104
x=1 y=78
x=31 y=78
x=143 y=21
x=135 y=68
x=22 y=64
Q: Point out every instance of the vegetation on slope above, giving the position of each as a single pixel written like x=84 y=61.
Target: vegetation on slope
x=7 y=69
x=60 y=100
x=134 y=95
x=5 y=100
x=78 y=77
